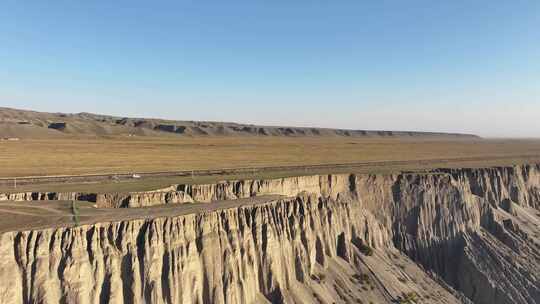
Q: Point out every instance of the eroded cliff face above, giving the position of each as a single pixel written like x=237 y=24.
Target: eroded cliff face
x=229 y=256
x=324 y=185
x=478 y=230
x=447 y=236
x=45 y=196
x=204 y=193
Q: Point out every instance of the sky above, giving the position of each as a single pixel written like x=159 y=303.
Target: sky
x=457 y=66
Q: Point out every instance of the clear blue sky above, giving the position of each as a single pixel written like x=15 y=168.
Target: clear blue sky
x=465 y=66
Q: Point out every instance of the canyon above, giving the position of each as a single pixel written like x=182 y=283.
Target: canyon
x=442 y=236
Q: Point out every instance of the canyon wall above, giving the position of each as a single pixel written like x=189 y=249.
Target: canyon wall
x=473 y=231
x=46 y=196
x=227 y=256
x=516 y=184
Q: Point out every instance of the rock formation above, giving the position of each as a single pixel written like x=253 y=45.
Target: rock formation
x=446 y=236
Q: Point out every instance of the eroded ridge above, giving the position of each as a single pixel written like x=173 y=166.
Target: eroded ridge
x=446 y=236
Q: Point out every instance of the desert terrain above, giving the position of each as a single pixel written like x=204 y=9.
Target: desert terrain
x=32 y=124
x=101 y=154
x=34 y=157
x=101 y=209
x=101 y=144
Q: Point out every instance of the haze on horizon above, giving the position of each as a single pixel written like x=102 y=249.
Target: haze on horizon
x=452 y=66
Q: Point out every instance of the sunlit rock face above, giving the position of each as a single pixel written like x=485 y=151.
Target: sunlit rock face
x=447 y=236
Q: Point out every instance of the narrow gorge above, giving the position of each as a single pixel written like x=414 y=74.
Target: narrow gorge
x=442 y=236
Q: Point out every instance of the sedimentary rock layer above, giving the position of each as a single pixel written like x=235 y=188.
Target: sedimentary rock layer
x=473 y=233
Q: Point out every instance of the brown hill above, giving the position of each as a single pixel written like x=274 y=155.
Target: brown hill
x=31 y=124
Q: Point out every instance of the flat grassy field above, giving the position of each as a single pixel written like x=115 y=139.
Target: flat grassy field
x=85 y=156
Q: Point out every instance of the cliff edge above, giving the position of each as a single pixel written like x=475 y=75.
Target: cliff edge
x=445 y=236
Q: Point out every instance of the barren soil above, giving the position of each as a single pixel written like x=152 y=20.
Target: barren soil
x=85 y=156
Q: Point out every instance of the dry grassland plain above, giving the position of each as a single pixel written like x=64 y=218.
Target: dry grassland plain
x=121 y=155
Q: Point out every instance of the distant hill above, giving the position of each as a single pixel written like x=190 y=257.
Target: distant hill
x=31 y=124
